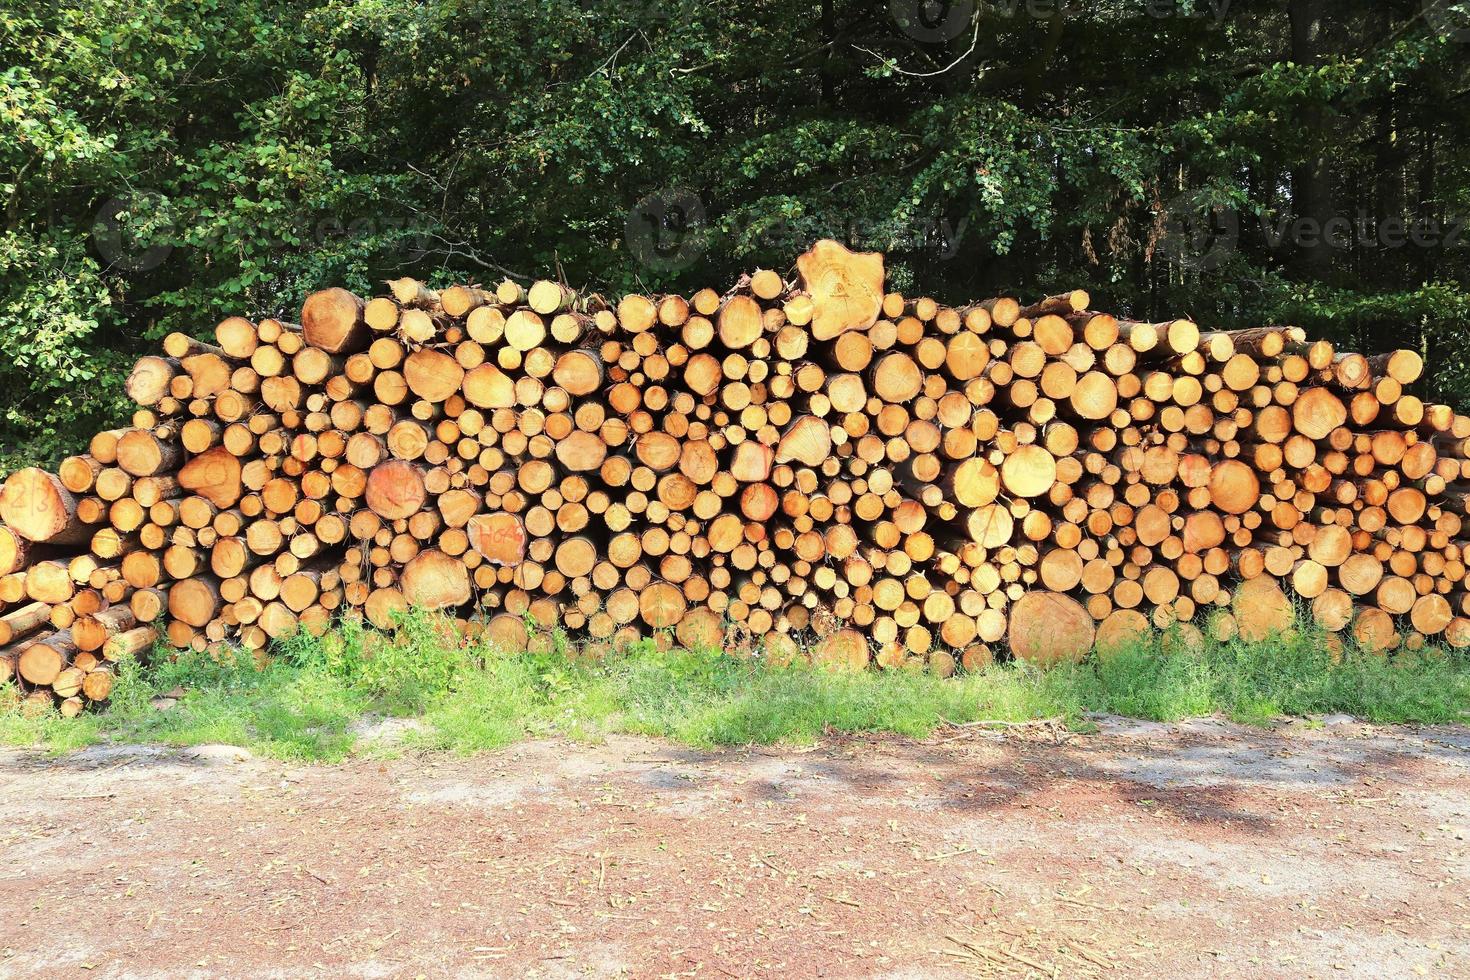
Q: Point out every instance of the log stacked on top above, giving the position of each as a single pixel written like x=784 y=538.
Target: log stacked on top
x=811 y=467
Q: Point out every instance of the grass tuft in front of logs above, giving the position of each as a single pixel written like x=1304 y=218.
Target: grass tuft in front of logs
x=317 y=700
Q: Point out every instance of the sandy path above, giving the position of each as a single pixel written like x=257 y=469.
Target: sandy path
x=1144 y=851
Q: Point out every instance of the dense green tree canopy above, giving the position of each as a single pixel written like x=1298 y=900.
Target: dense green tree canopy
x=1240 y=161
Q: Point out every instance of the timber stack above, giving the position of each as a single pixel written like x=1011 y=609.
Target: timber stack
x=802 y=466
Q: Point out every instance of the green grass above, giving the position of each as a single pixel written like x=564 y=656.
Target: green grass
x=309 y=701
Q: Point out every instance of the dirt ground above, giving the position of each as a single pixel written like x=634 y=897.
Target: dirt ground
x=1147 y=850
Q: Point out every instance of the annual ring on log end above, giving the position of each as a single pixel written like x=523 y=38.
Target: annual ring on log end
x=1048 y=628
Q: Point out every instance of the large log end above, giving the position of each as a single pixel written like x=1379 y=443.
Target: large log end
x=332 y=320
x=846 y=288
x=35 y=505
x=434 y=580
x=1048 y=628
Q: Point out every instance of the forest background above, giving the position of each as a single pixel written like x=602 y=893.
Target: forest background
x=163 y=165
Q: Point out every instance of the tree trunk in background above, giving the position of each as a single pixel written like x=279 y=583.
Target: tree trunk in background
x=1381 y=265
x=1388 y=187
x=829 y=37
x=1427 y=212
x=1311 y=188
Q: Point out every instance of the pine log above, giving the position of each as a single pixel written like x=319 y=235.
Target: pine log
x=434 y=580
x=35 y=505
x=1048 y=628
x=1262 y=611
x=846 y=288
x=332 y=320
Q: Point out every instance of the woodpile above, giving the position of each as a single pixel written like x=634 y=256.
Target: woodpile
x=804 y=467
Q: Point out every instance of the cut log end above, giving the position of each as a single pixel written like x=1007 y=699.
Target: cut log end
x=846 y=288
x=1048 y=628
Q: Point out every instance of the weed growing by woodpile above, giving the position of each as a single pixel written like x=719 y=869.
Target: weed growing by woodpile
x=318 y=699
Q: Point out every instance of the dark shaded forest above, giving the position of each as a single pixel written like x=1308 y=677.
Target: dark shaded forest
x=1239 y=161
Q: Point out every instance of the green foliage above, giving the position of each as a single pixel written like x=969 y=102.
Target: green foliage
x=423 y=661
x=240 y=154
x=281 y=710
x=317 y=696
x=53 y=306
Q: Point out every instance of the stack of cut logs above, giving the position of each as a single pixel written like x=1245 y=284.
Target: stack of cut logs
x=805 y=468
